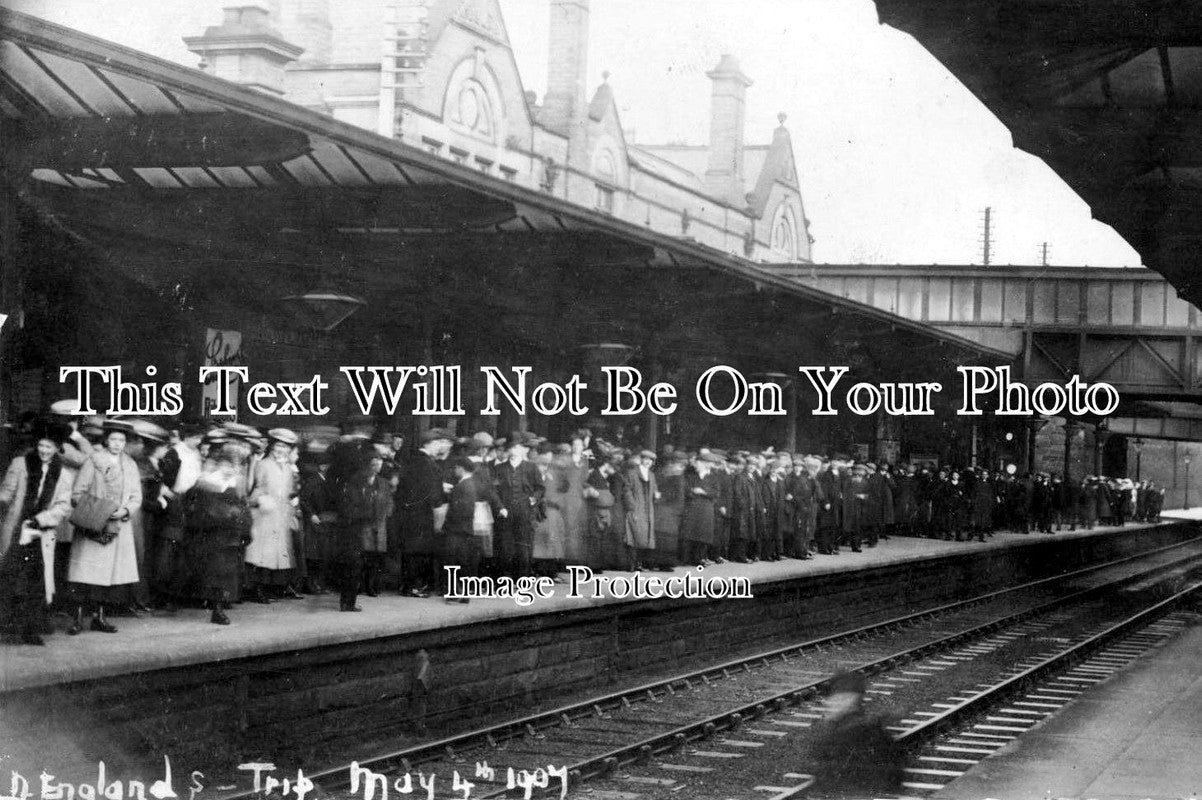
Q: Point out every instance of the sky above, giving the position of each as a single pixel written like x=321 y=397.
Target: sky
x=897 y=160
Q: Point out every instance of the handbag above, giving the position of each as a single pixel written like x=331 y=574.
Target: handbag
x=92 y=515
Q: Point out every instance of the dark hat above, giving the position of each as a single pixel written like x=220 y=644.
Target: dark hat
x=435 y=434
x=523 y=439
x=49 y=429
x=315 y=457
x=461 y=462
x=190 y=427
x=847 y=682
x=357 y=422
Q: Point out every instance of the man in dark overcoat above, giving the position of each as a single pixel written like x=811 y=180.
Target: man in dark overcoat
x=520 y=490
x=419 y=493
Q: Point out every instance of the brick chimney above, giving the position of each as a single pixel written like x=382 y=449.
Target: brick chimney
x=724 y=176
x=246 y=48
x=564 y=104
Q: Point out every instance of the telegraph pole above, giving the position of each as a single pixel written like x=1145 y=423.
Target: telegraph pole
x=1043 y=254
x=987 y=236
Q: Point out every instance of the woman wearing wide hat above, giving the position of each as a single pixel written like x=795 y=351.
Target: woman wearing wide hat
x=218 y=525
x=35 y=497
x=104 y=561
x=271 y=562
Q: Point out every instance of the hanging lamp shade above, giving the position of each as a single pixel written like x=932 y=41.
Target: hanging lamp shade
x=779 y=378
x=596 y=355
x=322 y=309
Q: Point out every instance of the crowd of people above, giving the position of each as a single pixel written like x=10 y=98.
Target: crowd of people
x=110 y=517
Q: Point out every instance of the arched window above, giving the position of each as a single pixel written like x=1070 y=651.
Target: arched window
x=784 y=232
x=472 y=110
x=473 y=103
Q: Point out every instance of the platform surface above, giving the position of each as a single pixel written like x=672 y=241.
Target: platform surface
x=1137 y=736
x=163 y=640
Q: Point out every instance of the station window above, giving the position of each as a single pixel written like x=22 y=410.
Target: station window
x=433 y=146
x=509 y=174
x=483 y=164
x=459 y=156
x=605 y=198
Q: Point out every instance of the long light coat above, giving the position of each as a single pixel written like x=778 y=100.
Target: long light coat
x=274 y=517
x=12 y=497
x=116 y=563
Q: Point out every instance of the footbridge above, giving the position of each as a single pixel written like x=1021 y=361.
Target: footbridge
x=1127 y=327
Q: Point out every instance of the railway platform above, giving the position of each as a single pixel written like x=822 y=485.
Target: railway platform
x=185 y=638
x=299 y=678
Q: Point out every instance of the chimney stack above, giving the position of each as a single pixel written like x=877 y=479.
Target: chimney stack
x=724 y=176
x=564 y=104
x=246 y=48
x=309 y=26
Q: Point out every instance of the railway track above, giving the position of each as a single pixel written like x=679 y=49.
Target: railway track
x=941 y=670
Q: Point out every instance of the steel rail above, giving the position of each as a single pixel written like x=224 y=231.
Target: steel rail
x=954 y=717
x=338 y=777
x=670 y=741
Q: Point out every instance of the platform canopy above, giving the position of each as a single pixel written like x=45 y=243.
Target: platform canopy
x=1107 y=92
x=215 y=195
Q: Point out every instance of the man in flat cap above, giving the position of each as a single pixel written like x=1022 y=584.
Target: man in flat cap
x=520 y=490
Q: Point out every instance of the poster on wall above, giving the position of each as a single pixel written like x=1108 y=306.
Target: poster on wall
x=222 y=349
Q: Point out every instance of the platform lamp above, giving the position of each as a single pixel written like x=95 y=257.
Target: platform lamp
x=1139 y=447
x=596 y=355
x=322 y=309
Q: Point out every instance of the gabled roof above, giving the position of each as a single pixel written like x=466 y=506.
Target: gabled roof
x=87 y=106
x=778 y=167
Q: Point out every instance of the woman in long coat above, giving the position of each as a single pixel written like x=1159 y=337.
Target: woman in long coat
x=550 y=532
x=269 y=557
x=104 y=571
x=36 y=497
x=375 y=535
x=218 y=522
x=574 y=467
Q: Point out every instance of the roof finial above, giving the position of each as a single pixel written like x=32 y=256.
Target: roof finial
x=781 y=117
